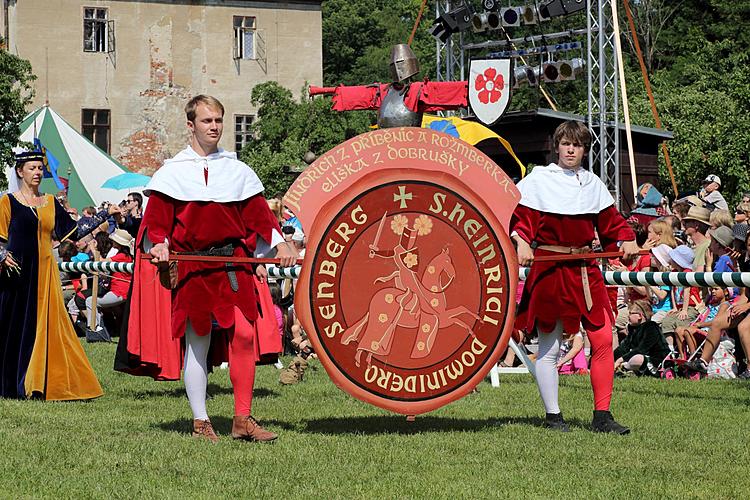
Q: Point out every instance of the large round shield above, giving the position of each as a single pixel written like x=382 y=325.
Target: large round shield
x=408 y=288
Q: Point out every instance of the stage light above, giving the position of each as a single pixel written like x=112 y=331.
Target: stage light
x=451 y=22
x=550 y=72
x=569 y=70
x=510 y=17
x=525 y=75
x=528 y=15
x=557 y=8
x=490 y=5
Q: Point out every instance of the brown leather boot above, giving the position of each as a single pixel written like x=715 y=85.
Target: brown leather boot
x=204 y=430
x=246 y=427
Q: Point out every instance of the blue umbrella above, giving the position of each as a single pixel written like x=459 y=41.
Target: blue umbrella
x=126 y=181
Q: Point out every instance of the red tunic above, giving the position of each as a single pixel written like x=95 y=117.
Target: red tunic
x=204 y=289
x=421 y=96
x=554 y=290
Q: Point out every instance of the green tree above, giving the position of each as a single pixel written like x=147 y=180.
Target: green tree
x=16 y=93
x=358 y=36
x=286 y=129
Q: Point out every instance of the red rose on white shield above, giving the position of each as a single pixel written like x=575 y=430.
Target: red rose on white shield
x=489 y=85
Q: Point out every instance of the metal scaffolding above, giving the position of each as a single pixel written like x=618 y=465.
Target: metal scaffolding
x=603 y=92
x=603 y=117
x=450 y=55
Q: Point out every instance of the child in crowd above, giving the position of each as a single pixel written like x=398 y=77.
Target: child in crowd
x=644 y=348
x=572 y=358
x=691 y=334
x=687 y=299
x=661 y=296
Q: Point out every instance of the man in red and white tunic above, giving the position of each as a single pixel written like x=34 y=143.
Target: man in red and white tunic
x=563 y=208
x=205 y=198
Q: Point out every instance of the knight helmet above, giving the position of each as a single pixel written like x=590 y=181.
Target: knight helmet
x=404 y=63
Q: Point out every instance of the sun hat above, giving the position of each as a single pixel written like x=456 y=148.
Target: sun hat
x=683 y=256
x=122 y=237
x=643 y=307
x=712 y=178
x=698 y=213
x=661 y=252
x=740 y=231
x=723 y=235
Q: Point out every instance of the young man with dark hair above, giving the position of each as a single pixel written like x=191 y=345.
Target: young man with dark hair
x=563 y=206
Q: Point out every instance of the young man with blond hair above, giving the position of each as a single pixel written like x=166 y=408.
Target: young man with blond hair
x=205 y=201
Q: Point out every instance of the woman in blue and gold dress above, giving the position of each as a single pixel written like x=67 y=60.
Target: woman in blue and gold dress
x=40 y=354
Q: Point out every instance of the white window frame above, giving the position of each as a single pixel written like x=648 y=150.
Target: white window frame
x=100 y=25
x=244 y=26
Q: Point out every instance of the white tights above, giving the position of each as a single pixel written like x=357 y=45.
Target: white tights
x=547 y=378
x=196 y=371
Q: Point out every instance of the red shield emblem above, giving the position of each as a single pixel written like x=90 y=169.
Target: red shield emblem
x=408 y=287
x=489 y=88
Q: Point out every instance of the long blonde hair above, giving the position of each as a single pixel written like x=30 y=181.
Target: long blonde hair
x=665 y=232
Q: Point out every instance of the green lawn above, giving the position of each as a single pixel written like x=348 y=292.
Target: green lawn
x=690 y=439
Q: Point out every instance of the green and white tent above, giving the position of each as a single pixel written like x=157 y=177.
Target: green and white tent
x=85 y=166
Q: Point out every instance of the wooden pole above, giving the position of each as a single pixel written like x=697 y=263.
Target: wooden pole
x=625 y=109
x=650 y=93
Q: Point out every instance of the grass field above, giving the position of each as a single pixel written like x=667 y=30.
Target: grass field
x=689 y=440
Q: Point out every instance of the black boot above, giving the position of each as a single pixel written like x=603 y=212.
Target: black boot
x=555 y=422
x=604 y=422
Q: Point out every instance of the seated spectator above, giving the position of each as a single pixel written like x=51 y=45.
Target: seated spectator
x=697 y=224
x=660 y=232
x=720 y=218
x=717 y=302
x=572 y=358
x=722 y=240
x=644 y=348
x=633 y=293
x=661 y=296
x=687 y=299
x=710 y=192
x=734 y=316
x=648 y=205
x=118 y=291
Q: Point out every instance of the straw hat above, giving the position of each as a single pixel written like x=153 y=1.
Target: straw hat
x=122 y=237
x=700 y=214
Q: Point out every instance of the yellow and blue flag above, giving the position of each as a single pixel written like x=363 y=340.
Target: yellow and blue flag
x=471 y=132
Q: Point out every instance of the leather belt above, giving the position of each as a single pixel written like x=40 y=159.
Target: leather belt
x=584 y=270
x=224 y=251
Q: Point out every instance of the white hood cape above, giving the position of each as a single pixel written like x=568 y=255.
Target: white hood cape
x=557 y=190
x=182 y=178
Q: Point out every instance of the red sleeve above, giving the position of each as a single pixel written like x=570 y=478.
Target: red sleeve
x=611 y=227
x=159 y=217
x=349 y=98
x=525 y=222
x=259 y=220
x=442 y=96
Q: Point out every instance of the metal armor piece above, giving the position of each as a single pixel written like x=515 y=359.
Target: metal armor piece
x=393 y=111
x=404 y=63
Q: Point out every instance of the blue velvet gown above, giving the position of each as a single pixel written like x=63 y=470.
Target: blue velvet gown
x=40 y=354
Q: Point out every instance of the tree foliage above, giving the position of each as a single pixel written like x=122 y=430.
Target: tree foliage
x=16 y=93
x=286 y=129
x=696 y=54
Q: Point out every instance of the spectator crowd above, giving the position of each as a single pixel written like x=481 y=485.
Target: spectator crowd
x=664 y=331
